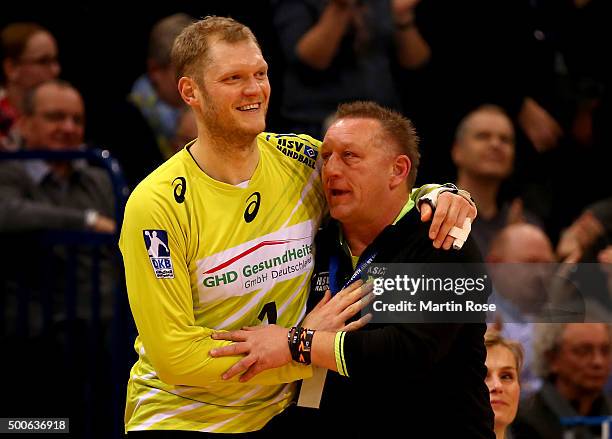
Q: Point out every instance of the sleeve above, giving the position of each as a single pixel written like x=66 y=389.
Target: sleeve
x=419 y=192
x=406 y=349
x=292 y=19
x=163 y=307
x=19 y=213
x=412 y=349
x=603 y=212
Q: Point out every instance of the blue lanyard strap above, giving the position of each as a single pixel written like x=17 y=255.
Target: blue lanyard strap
x=334 y=266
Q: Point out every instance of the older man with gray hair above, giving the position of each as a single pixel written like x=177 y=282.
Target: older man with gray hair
x=574 y=359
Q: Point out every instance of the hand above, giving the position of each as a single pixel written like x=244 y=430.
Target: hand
x=403 y=10
x=540 y=127
x=516 y=212
x=451 y=211
x=265 y=346
x=579 y=237
x=605 y=256
x=104 y=224
x=331 y=313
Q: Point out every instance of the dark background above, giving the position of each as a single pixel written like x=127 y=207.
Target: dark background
x=103 y=45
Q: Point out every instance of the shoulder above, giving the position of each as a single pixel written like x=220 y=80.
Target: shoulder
x=301 y=149
x=410 y=238
x=163 y=187
x=12 y=170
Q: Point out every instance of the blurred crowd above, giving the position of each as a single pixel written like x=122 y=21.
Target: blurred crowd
x=511 y=100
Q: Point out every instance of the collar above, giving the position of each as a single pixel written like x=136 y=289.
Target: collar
x=37 y=170
x=407 y=208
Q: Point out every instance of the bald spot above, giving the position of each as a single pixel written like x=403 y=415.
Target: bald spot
x=521 y=243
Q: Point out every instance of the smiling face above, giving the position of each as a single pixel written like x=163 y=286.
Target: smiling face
x=235 y=90
x=58 y=119
x=503 y=384
x=360 y=170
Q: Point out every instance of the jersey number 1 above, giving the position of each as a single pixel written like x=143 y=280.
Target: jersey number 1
x=269 y=311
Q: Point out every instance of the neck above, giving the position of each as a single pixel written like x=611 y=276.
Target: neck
x=500 y=432
x=483 y=190
x=585 y=400
x=61 y=170
x=360 y=235
x=228 y=163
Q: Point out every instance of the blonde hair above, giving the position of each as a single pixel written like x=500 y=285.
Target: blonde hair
x=397 y=127
x=191 y=47
x=494 y=338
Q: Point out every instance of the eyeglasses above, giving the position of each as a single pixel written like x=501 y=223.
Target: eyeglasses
x=588 y=350
x=42 y=61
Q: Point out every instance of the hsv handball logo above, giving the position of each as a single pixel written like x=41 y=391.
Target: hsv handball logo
x=156 y=243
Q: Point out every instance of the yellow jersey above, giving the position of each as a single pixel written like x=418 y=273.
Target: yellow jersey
x=200 y=256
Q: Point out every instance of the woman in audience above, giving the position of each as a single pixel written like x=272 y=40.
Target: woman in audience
x=28 y=53
x=504 y=362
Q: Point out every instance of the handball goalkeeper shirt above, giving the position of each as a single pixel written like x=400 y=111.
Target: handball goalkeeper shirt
x=201 y=255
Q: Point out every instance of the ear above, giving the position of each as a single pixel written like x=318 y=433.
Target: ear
x=189 y=91
x=456 y=153
x=401 y=169
x=153 y=70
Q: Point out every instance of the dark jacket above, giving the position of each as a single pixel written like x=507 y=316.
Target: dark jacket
x=540 y=416
x=406 y=379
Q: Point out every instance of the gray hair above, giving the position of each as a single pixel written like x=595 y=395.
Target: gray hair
x=485 y=108
x=29 y=98
x=546 y=342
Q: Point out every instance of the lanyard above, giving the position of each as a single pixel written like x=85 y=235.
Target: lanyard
x=334 y=265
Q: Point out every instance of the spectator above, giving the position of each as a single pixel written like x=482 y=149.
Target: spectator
x=148 y=120
x=483 y=152
x=512 y=251
x=574 y=361
x=343 y=50
x=37 y=195
x=29 y=57
x=504 y=363
x=60 y=283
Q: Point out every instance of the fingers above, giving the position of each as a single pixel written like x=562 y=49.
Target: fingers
x=353 y=298
x=358 y=324
x=438 y=216
x=448 y=242
x=232 y=349
x=449 y=222
x=254 y=328
x=230 y=336
x=515 y=213
x=426 y=212
x=356 y=307
x=346 y=291
x=251 y=372
x=323 y=301
x=463 y=213
x=239 y=367
x=574 y=257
